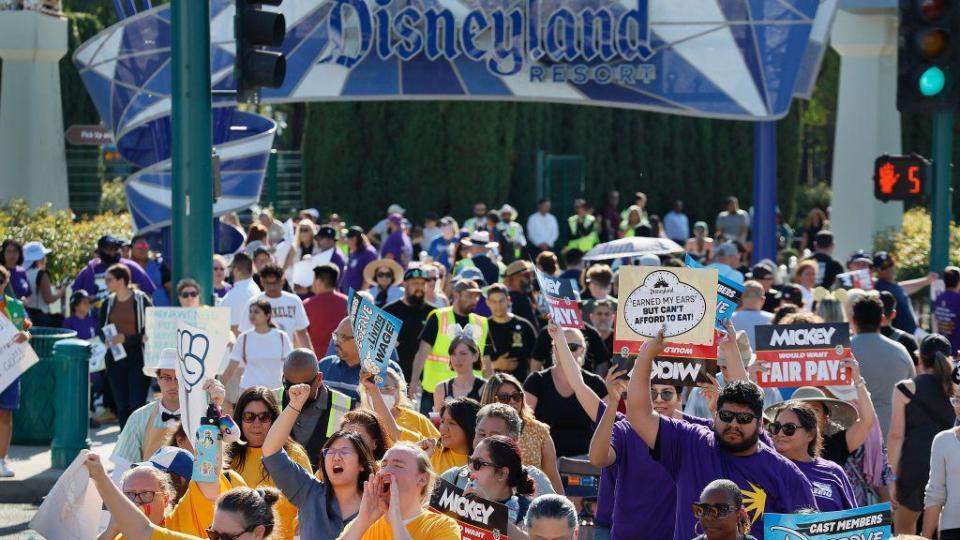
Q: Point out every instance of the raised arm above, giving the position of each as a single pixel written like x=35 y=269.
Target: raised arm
x=283 y=425
x=644 y=420
x=133 y=523
x=418 y=361
x=857 y=433
x=379 y=406
x=588 y=399
x=731 y=352
x=913 y=286
x=602 y=453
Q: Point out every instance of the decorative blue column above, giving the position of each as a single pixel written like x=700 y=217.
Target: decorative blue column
x=764 y=225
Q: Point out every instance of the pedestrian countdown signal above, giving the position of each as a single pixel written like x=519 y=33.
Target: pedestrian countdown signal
x=900 y=178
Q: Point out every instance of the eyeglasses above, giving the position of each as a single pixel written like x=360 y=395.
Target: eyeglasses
x=665 y=395
x=342 y=453
x=507 y=398
x=477 y=464
x=217 y=535
x=713 y=511
x=189 y=294
x=140 y=497
x=249 y=417
x=384 y=274
x=574 y=347
x=743 y=418
x=340 y=337
x=788 y=429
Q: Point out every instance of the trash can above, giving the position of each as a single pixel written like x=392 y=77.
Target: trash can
x=33 y=422
x=71 y=358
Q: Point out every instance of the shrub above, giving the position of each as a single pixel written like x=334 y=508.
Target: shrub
x=113 y=198
x=72 y=241
x=911 y=244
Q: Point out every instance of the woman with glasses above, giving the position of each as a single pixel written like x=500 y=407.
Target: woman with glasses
x=497 y=474
x=331 y=499
x=220 y=286
x=188 y=292
x=383 y=278
x=151 y=490
x=124 y=310
x=464 y=355
x=303 y=245
x=415 y=426
x=256 y=411
x=536 y=445
x=433 y=293
x=720 y=513
x=796 y=436
x=259 y=352
x=241 y=513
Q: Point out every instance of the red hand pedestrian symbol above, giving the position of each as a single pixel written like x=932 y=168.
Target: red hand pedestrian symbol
x=888 y=177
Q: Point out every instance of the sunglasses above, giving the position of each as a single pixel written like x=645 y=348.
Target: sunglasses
x=665 y=395
x=507 y=398
x=342 y=453
x=217 y=535
x=713 y=511
x=788 y=429
x=140 y=497
x=574 y=347
x=264 y=417
x=743 y=418
x=384 y=275
x=477 y=464
x=189 y=294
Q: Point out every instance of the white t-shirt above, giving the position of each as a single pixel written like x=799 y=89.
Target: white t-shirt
x=264 y=357
x=288 y=312
x=238 y=300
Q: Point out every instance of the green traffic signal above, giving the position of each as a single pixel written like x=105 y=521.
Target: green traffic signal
x=932 y=81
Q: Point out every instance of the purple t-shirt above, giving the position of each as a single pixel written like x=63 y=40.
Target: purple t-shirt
x=769 y=481
x=90 y=278
x=606 y=493
x=352 y=277
x=645 y=491
x=20 y=283
x=946 y=310
x=831 y=487
x=85 y=328
x=222 y=291
x=398 y=244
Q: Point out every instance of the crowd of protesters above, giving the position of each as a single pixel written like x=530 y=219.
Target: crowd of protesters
x=486 y=392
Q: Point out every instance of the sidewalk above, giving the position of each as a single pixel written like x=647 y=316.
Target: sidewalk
x=34 y=477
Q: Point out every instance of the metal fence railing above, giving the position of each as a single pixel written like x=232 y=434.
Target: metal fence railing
x=283 y=186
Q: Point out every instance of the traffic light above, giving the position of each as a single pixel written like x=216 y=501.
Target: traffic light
x=256 y=67
x=900 y=178
x=928 y=56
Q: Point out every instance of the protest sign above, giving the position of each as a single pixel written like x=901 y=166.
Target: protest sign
x=729 y=293
x=479 y=519
x=858 y=279
x=198 y=354
x=680 y=300
x=562 y=297
x=72 y=508
x=375 y=332
x=353 y=305
x=116 y=349
x=865 y=523
x=803 y=354
x=15 y=358
x=161 y=328
x=684 y=365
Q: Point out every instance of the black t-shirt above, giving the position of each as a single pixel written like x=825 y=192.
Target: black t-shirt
x=827 y=269
x=909 y=342
x=407 y=342
x=570 y=426
x=522 y=306
x=835 y=448
x=429 y=333
x=597 y=352
x=517 y=337
x=772 y=300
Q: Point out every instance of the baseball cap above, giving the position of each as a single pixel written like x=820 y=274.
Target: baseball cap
x=415 y=272
x=760 y=271
x=726 y=249
x=859 y=256
x=354 y=231
x=882 y=259
x=823 y=239
x=648 y=259
x=109 y=240
x=171 y=459
x=326 y=231
x=466 y=285
x=396 y=209
x=447 y=220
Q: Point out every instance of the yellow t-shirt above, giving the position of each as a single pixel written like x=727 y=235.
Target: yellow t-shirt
x=194 y=512
x=429 y=526
x=417 y=423
x=255 y=475
x=444 y=458
x=160 y=533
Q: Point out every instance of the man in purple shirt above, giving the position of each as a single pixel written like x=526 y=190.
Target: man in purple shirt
x=946 y=308
x=397 y=246
x=696 y=455
x=90 y=278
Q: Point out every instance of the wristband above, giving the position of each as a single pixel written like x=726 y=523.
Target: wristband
x=294 y=408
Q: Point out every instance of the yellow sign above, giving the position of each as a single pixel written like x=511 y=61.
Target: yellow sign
x=681 y=300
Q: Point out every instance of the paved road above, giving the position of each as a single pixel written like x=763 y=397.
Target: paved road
x=14 y=519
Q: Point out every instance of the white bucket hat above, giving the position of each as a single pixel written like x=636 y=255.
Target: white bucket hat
x=168 y=360
x=33 y=252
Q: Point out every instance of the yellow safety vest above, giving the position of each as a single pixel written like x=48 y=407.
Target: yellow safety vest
x=437 y=367
x=340 y=404
x=591 y=238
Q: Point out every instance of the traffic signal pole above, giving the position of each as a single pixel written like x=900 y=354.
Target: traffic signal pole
x=942 y=190
x=192 y=145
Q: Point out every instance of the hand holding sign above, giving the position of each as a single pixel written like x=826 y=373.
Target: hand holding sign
x=198 y=356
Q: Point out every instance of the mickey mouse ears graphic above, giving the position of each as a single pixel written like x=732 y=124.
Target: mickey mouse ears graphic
x=192 y=352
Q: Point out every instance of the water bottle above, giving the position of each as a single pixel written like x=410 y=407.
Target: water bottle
x=207 y=465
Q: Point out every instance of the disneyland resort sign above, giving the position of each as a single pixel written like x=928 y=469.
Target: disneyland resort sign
x=574 y=46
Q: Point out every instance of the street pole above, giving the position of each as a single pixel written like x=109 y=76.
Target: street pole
x=192 y=145
x=942 y=191
x=764 y=222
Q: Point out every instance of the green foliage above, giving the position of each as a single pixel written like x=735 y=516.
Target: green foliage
x=78 y=108
x=811 y=196
x=113 y=198
x=912 y=244
x=72 y=241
